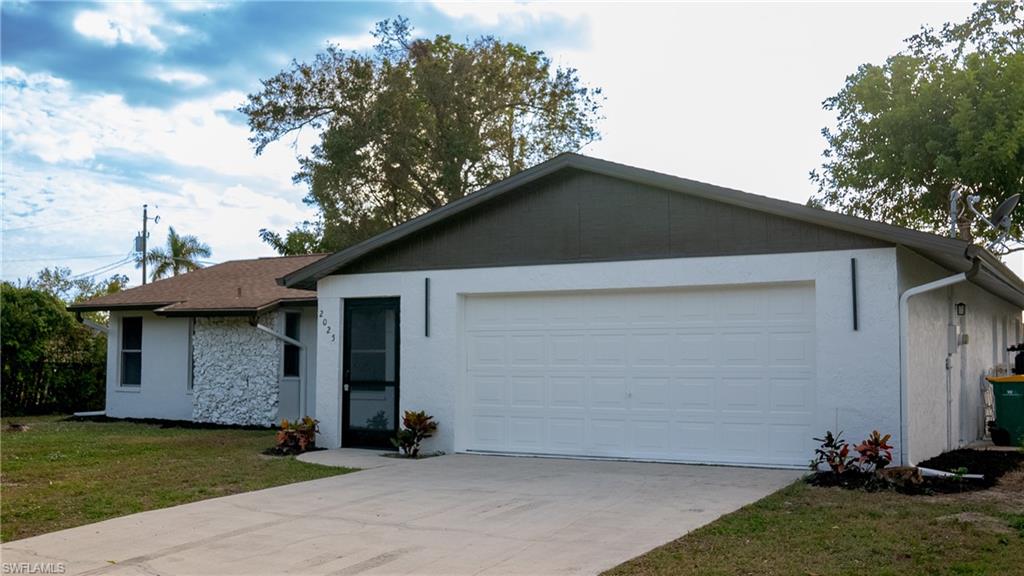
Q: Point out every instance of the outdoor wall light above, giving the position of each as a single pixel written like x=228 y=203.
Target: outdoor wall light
x=961 y=309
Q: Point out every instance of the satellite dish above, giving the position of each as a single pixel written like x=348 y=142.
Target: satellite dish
x=1000 y=221
x=1001 y=217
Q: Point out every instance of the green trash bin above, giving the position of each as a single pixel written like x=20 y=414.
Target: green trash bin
x=1009 y=396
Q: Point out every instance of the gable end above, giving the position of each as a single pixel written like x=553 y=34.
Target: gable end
x=575 y=216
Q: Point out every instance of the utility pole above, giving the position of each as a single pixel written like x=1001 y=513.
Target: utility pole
x=145 y=220
x=142 y=239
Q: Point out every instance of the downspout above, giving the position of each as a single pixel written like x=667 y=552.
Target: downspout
x=100 y=328
x=256 y=324
x=905 y=345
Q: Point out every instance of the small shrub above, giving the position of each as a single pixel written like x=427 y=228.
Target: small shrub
x=416 y=427
x=834 y=451
x=297 y=437
x=874 y=453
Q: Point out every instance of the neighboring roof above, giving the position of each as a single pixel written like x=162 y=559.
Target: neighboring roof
x=951 y=253
x=238 y=287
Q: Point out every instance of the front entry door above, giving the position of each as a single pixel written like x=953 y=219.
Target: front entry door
x=370 y=376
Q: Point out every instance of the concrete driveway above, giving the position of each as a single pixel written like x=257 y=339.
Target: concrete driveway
x=457 y=514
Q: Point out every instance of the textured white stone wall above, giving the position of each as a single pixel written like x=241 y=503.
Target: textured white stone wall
x=236 y=371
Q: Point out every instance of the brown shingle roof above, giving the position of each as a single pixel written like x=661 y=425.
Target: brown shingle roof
x=238 y=287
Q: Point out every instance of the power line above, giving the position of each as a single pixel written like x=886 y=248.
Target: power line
x=95 y=257
x=105 y=268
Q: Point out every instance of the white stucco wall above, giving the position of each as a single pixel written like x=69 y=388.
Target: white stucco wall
x=237 y=370
x=165 y=360
x=930 y=315
x=858 y=371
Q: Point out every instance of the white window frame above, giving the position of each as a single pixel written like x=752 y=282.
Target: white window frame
x=123 y=350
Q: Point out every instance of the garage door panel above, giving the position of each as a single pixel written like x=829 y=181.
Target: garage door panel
x=694 y=437
x=486 y=350
x=526 y=432
x=651 y=437
x=609 y=392
x=792 y=396
x=651 y=348
x=489 y=390
x=608 y=349
x=568 y=392
x=489 y=431
x=790 y=349
x=741 y=394
x=527 y=350
x=650 y=393
x=526 y=391
x=608 y=435
x=696 y=349
x=716 y=375
x=567 y=434
x=741 y=439
x=694 y=394
x=790 y=442
x=568 y=349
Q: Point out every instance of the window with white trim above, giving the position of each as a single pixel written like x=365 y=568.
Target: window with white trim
x=131 y=351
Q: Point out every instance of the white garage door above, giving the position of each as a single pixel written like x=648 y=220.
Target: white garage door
x=722 y=374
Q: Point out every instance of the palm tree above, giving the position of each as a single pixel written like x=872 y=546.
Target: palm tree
x=182 y=254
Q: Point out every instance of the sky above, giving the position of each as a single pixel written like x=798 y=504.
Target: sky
x=110 y=106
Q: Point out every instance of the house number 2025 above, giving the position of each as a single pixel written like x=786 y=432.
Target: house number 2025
x=327 y=327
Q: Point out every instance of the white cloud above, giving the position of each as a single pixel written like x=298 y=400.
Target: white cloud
x=356 y=42
x=44 y=116
x=179 y=76
x=515 y=15
x=65 y=154
x=132 y=23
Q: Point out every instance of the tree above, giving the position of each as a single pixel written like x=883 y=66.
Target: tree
x=182 y=254
x=947 y=111
x=415 y=125
x=60 y=282
x=50 y=362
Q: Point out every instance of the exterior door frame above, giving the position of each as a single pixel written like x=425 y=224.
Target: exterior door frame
x=353 y=438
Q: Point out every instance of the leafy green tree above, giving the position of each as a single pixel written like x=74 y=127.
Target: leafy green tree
x=947 y=111
x=50 y=362
x=182 y=254
x=414 y=125
x=68 y=288
x=60 y=282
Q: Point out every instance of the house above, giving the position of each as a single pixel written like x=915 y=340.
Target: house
x=586 y=308
x=224 y=344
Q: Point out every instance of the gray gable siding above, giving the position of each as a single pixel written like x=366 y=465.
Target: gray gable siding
x=578 y=216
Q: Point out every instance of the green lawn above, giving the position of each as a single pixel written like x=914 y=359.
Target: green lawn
x=804 y=530
x=60 y=474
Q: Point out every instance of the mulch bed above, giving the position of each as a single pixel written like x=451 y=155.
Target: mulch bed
x=184 y=424
x=991 y=464
x=289 y=451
